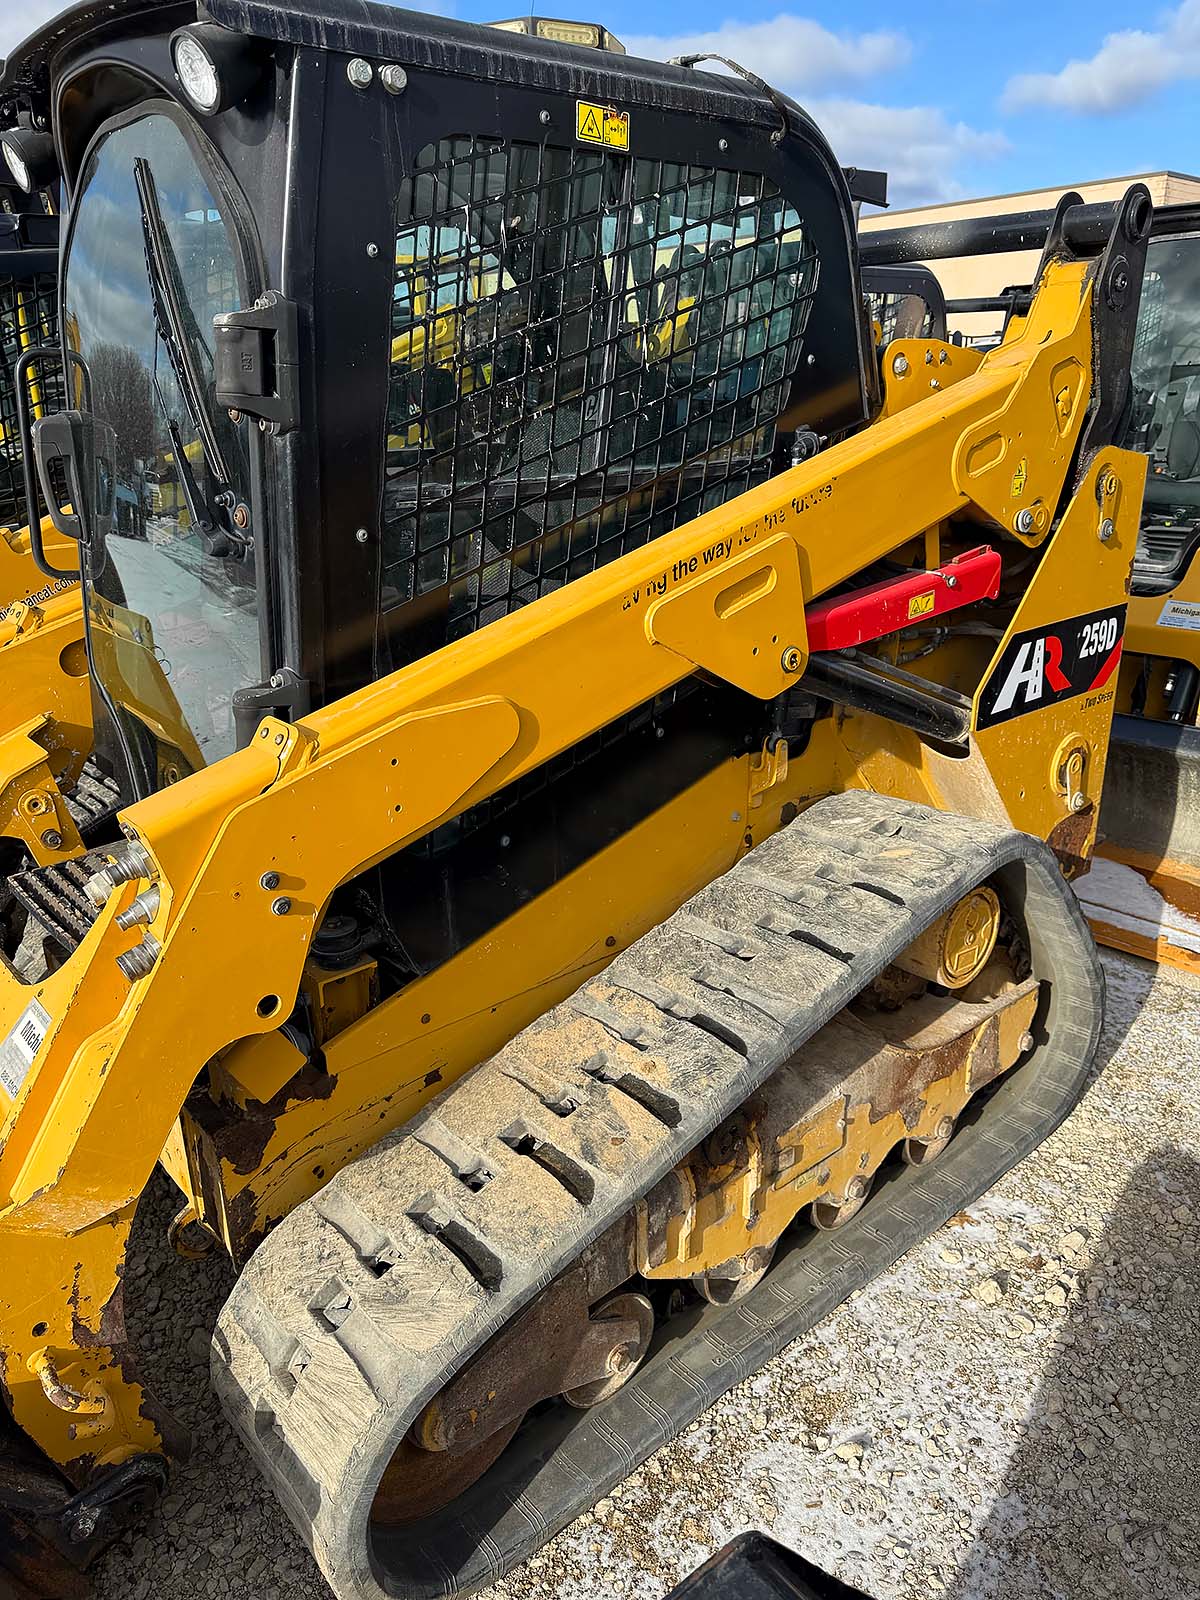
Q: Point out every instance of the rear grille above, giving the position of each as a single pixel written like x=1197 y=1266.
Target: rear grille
x=588 y=349
x=28 y=317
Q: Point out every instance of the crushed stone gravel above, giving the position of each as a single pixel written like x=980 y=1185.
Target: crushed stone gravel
x=1012 y=1413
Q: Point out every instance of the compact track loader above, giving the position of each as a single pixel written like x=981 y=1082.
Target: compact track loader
x=1143 y=892
x=597 y=782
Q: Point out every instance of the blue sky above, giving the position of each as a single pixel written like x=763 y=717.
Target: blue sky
x=983 y=97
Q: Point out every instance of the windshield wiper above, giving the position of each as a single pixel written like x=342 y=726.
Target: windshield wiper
x=161 y=269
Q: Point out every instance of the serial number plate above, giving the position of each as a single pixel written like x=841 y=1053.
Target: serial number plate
x=20 y=1047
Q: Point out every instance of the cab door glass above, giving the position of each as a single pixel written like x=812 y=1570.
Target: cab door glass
x=172 y=602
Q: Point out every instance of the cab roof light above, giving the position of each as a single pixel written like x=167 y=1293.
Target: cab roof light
x=589 y=34
x=30 y=158
x=216 y=68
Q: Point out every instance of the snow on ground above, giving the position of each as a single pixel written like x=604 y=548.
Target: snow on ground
x=1013 y=1413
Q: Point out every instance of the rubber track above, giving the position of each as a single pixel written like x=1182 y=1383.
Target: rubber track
x=362 y=1303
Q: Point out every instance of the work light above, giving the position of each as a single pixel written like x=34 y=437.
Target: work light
x=30 y=158
x=215 y=67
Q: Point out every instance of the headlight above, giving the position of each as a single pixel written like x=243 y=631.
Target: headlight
x=215 y=67
x=30 y=158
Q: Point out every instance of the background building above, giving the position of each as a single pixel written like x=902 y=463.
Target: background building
x=962 y=277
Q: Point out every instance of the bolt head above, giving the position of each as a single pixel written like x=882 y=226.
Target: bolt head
x=1023 y=521
x=1079 y=801
x=1106 y=530
x=1110 y=484
x=52 y=839
x=360 y=72
x=1025 y=1042
x=790 y=659
x=393 y=78
x=269 y=880
x=361 y=535
x=722 y=145
x=241 y=517
x=900 y=366
x=372 y=251
x=544 y=117
x=281 y=907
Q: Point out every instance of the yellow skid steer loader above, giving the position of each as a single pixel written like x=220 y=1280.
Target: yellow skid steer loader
x=606 y=840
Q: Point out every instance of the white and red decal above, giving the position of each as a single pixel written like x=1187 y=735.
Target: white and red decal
x=1045 y=665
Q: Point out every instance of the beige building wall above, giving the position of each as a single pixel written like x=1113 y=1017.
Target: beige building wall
x=963 y=277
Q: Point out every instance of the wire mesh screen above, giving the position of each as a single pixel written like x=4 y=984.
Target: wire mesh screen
x=28 y=317
x=587 y=350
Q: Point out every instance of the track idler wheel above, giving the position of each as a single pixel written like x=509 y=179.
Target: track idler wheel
x=419 y=1482
x=627 y=1353
x=830 y=1214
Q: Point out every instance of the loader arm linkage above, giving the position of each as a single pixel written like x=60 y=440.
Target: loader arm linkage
x=244 y=876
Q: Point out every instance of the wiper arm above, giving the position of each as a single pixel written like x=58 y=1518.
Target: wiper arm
x=161 y=268
x=213 y=540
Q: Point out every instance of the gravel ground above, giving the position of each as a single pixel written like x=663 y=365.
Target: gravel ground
x=1013 y=1412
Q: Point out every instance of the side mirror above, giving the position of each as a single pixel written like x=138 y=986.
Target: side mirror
x=84 y=448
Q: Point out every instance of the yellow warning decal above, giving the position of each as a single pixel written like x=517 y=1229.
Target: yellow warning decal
x=1019 y=477
x=921 y=605
x=601 y=125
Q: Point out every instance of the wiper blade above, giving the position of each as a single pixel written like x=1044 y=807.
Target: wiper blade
x=161 y=269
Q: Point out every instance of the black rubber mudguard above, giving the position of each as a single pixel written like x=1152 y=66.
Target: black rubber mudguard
x=756 y=1567
x=362 y=1304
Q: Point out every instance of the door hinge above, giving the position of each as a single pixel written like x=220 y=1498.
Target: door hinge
x=257 y=362
x=285 y=695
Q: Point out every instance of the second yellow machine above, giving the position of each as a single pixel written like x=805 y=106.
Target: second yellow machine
x=599 y=754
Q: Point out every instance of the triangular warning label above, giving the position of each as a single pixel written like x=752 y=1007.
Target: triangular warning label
x=589 y=124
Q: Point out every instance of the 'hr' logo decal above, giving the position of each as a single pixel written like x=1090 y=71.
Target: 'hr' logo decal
x=1045 y=665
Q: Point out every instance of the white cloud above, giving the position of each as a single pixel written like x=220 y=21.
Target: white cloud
x=1128 y=68
x=917 y=146
x=794 y=53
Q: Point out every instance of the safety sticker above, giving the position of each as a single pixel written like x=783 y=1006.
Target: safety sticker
x=1179 y=614
x=921 y=605
x=1019 y=478
x=20 y=1047
x=601 y=125
x=1040 y=667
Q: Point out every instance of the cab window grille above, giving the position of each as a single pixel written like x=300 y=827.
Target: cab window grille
x=28 y=317
x=587 y=350
x=900 y=316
